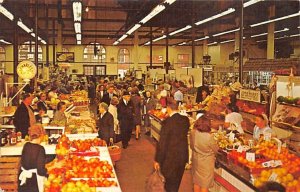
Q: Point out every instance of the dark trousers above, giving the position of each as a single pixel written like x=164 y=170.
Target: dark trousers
x=173 y=181
x=126 y=134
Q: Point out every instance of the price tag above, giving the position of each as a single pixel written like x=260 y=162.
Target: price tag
x=231 y=137
x=250 y=156
x=240 y=149
x=277 y=163
x=266 y=164
x=273 y=177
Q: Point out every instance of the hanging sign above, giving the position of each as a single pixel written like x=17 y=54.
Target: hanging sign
x=250 y=95
x=26 y=70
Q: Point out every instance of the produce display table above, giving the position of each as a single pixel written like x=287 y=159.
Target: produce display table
x=16 y=150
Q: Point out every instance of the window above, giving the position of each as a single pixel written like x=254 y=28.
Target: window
x=2 y=54
x=123 y=56
x=94 y=70
x=27 y=50
x=183 y=60
x=88 y=53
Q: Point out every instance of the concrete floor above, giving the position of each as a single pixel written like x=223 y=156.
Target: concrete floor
x=137 y=163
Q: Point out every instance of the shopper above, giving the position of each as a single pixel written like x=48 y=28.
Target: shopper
x=125 y=116
x=33 y=160
x=233 y=118
x=261 y=127
x=200 y=94
x=137 y=105
x=24 y=116
x=41 y=104
x=172 y=147
x=162 y=96
x=204 y=149
x=59 y=116
x=112 y=109
x=109 y=94
x=149 y=104
x=178 y=96
x=91 y=91
x=105 y=123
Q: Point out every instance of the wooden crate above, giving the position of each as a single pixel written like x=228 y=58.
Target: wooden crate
x=9 y=169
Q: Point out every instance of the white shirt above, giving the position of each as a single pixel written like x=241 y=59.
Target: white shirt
x=178 y=96
x=163 y=93
x=236 y=119
x=257 y=131
x=113 y=110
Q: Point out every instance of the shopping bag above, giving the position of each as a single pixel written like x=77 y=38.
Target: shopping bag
x=114 y=151
x=155 y=182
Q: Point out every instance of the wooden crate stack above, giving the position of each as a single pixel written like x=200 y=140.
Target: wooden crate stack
x=9 y=169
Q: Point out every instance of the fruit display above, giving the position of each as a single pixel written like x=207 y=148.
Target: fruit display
x=80 y=98
x=287 y=114
x=85 y=145
x=225 y=143
x=78 y=186
x=78 y=125
x=251 y=107
x=62 y=147
x=159 y=114
x=289 y=100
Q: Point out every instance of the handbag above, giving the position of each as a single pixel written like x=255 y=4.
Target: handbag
x=155 y=182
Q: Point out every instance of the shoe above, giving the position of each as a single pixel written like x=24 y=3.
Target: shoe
x=147 y=133
x=125 y=146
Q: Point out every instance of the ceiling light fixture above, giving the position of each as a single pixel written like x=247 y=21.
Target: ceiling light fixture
x=227 y=41
x=169 y=1
x=155 y=11
x=77 y=10
x=226 y=32
x=261 y=41
x=148 y=43
x=3 y=41
x=6 y=13
x=180 y=30
x=159 y=38
x=277 y=19
x=135 y=27
x=77 y=27
x=262 y=34
x=78 y=37
x=230 y=10
x=296 y=35
x=87 y=9
x=78 y=42
x=206 y=37
x=282 y=37
x=183 y=43
x=213 y=43
x=43 y=41
x=251 y=2
x=24 y=27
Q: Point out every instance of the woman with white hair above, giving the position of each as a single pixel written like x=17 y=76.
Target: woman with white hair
x=262 y=127
x=105 y=123
x=112 y=109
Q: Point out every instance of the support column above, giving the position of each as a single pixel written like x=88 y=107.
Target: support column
x=150 y=47
x=53 y=43
x=135 y=50
x=36 y=50
x=15 y=51
x=205 y=47
x=193 y=47
x=167 y=51
x=59 y=37
x=241 y=43
x=237 y=35
x=271 y=29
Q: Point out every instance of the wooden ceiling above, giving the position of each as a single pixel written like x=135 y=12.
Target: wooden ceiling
x=108 y=20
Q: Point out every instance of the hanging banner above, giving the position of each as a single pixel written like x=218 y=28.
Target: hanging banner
x=250 y=95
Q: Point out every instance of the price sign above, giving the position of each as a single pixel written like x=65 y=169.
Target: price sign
x=250 y=95
x=250 y=156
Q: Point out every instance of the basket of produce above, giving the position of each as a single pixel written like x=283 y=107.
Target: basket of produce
x=114 y=152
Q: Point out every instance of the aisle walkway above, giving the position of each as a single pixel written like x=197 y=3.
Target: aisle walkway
x=137 y=163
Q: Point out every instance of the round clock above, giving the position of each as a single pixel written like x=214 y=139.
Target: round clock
x=26 y=70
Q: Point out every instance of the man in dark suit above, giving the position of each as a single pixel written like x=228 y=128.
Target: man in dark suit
x=108 y=95
x=125 y=116
x=24 y=116
x=105 y=123
x=172 y=147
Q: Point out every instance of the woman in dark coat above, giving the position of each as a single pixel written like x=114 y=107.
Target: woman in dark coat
x=33 y=161
x=105 y=123
x=137 y=106
x=149 y=104
x=172 y=147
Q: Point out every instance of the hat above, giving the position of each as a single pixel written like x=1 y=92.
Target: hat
x=126 y=93
x=36 y=131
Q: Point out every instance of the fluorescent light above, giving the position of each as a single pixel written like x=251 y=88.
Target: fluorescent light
x=277 y=19
x=116 y=43
x=183 y=43
x=122 y=38
x=213 y=43
x=230 y=10
x=169 y=1
x=148 y=43
x=226 y=32
x=77 y=27
x=78 y=42
x=78 y=37
x=135 y=27
x=298 y=27
x=6 y=13
x=3 y=41
x=77 y=10
x=206 y=37
x=1 y=1
x=262 y=34
x=24 y=27
x=154 y=12
x=295 y=35
x=261 y=41
x=159 y=38
x=282 y=37
x=43 y=41
x=180 y=30
x=251 y=2
x=227 y=41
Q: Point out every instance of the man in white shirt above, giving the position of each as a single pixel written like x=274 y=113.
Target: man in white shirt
x=178 y=96
x=233 y=119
